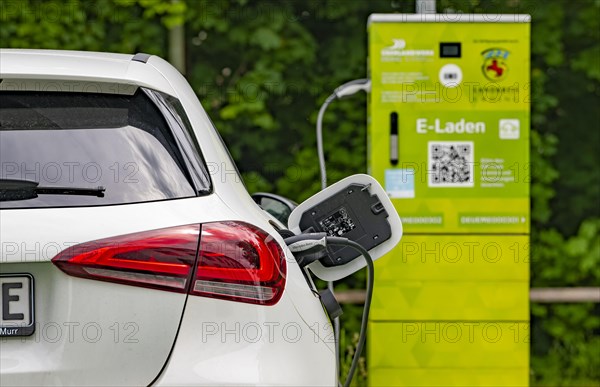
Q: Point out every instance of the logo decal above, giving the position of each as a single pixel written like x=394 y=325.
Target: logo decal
x=398 y=50
x=509 y=129
x=495 y=67
x=399 y=44
x=450 y=75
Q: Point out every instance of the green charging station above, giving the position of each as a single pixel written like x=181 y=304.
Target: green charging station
x=448 y=139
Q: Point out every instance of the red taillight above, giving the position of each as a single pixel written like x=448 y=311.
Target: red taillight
x=236 y=261
x=240 y=262
x=162 y=259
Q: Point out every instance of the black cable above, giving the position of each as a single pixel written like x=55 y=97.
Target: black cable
x=369 y=295
x=299 y=252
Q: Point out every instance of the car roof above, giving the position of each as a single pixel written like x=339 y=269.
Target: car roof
x=54 y=66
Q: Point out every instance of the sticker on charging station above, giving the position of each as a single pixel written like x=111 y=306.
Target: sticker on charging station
x=400 y=183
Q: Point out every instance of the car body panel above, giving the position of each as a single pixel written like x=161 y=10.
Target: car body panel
x=245 y=345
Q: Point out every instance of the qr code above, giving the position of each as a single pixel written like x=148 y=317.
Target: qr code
x=450 y=164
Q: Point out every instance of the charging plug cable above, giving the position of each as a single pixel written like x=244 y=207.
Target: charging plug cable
x=369 y=295
x=308 y=246
x=345 y=90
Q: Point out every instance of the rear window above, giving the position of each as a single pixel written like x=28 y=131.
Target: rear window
x=101 y=148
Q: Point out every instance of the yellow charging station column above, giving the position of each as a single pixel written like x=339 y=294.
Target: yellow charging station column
x=449 y=141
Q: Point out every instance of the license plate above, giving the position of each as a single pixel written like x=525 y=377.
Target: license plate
x=16 y=299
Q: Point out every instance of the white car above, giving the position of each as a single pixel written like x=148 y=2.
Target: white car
x=131 y=252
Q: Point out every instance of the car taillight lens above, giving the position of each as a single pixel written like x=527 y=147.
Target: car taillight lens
x=161 y=259
x=236 y=261
x=240 y=262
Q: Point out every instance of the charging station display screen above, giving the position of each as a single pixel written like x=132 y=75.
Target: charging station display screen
x=449 y=50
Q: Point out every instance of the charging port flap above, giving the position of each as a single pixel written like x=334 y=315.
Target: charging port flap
x=356 y=208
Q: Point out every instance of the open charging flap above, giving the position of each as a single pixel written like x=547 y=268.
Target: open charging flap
x=356 y=208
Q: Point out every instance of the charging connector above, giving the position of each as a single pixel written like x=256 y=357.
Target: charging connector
x=307 y=248
x=353 y=87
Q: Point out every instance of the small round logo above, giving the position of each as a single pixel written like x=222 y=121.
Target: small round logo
x=450 y=75
x=495 y=66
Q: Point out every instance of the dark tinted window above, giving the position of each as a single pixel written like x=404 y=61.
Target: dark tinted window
x=82 y=140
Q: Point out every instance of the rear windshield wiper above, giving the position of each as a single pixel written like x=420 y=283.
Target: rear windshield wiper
x=15 y=189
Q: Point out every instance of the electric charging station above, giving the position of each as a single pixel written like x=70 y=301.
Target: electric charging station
x=448 y=139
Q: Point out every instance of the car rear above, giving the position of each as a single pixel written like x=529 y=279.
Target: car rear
x=137 y=239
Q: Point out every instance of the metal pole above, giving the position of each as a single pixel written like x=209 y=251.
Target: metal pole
x=537 y=295
x=425 y=6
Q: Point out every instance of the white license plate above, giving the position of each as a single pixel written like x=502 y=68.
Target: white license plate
x=16 y=301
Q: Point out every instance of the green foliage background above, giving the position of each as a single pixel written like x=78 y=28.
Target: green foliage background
x=262 y=69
